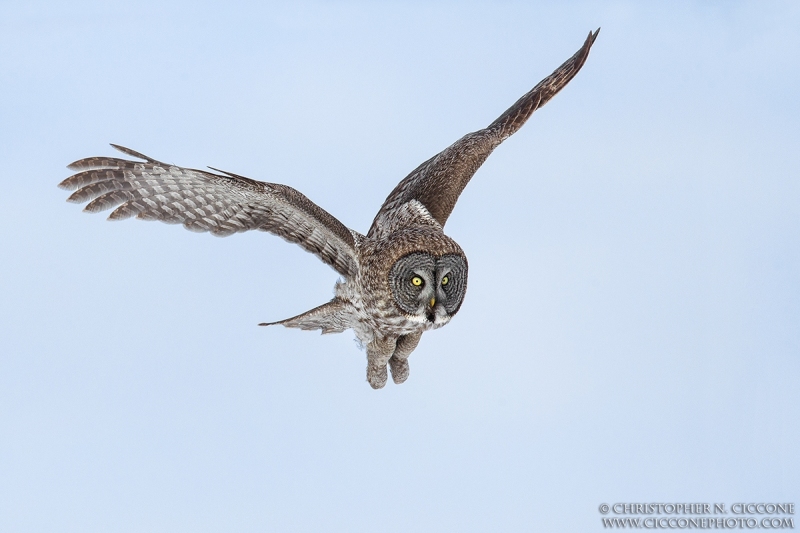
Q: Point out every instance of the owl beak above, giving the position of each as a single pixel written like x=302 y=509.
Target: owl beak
x=431 y=316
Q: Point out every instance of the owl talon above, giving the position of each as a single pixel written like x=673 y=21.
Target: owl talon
x=377 y=376
x=399 y=368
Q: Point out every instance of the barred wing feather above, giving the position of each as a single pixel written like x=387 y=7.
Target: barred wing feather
x=222 y=204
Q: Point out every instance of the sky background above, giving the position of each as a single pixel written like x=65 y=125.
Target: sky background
x=630 y=332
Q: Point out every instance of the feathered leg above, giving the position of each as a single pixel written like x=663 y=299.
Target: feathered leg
x=398 y=363
x=378 y=353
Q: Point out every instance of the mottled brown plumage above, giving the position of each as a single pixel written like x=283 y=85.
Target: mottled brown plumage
x=438 y=182
x=403 y=278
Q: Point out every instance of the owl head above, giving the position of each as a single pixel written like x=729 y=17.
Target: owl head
x=427 y=287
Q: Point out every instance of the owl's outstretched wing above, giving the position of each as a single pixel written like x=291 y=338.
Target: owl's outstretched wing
x=438 y=182
x=204 y=201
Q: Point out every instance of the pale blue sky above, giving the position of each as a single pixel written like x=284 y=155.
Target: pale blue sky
x=630 y=332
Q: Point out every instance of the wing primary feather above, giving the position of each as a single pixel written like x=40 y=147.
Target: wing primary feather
x=134 y=153
x=515 y=116
x=102 y=163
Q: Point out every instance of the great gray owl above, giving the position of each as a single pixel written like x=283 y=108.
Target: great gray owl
x=402 y=278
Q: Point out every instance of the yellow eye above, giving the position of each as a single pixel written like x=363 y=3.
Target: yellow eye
x=445 y=280
x=416 y=281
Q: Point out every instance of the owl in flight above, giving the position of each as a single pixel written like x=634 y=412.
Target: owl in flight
x=401 y=279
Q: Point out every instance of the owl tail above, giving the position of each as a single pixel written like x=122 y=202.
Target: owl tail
x=332 y=317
